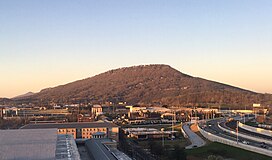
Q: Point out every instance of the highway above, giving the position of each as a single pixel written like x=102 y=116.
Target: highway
x=212 y=127
x=232 y=125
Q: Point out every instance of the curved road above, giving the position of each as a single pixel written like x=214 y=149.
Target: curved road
x=193 y=137
x=213 y=128
x=232 y=125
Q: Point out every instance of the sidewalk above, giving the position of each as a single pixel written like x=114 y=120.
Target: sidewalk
x=193 y=137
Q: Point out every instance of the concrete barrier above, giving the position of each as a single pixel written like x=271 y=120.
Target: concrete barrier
x=256 y=130
x=215 y=138
x=257 y=139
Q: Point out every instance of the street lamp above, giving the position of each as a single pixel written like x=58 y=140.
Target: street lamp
x=237 y=125
x=162 y=129
x=245 y=115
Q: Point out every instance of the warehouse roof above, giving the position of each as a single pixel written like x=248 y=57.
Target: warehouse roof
x=28 y=144
x=98 y=150
x=102 y=149
x=70 y=125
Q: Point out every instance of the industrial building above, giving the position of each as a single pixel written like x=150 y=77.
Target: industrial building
x=148 y=133
x=38 y=144
x=84 y=130
x=104 y=149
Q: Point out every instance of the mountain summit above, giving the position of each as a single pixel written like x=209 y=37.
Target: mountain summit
x=149 y=84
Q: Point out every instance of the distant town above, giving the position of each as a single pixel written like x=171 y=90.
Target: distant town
x=141 y=131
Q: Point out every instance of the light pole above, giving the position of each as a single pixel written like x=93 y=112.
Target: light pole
x=237 y=125
x=162 y=129
x=245 y=116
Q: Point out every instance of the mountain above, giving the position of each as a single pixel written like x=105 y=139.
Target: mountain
x=24 y=95
x=148 y=84
x=5 y=101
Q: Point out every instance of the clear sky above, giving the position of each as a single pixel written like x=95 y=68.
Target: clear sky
x=45 y=43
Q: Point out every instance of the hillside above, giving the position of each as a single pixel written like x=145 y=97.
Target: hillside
x=149 y=84
x=24 y=95
x=4 y=101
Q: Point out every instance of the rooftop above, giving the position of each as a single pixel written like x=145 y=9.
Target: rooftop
x=99 y=149
x=70 y=125
x=28 y=144
x=38 y=144
x=66 y=148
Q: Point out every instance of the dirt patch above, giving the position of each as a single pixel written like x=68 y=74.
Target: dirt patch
x=194 y=128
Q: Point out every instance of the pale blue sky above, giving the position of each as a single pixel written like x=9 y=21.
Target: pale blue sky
x=45 y=43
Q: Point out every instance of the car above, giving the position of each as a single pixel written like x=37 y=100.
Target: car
x=245 y=142
x=263 y=145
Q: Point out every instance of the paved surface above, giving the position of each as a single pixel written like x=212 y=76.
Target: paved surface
x=214 y=129
x=233 y=125
x=193 y=137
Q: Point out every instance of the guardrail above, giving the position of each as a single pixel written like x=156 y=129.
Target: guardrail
x=256 y=130
x=257 y=139
x=215 y=138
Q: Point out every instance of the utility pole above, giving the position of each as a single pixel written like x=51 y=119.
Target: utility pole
x=263 y=115
x=162 y=129
x=78 y=113
x=173 y=118
x=245 y=115
x=237 y=125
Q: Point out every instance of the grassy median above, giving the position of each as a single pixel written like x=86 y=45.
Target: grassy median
x=225 y=151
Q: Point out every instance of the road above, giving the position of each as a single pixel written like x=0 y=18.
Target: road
x=213 y=128
x=193 y=137
x=232 y=125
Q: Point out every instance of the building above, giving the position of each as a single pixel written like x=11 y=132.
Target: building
x=104 y=149
x=97 y=110
x=1 y=112
x=38 y=144
x=27 y=112
x=148 y=133
x=84 y=118
x=84 y=130
x=10 y=111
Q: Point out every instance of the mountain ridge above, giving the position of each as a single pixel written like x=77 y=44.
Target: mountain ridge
x=147 y=84
x=156 y=84
x=24 y=95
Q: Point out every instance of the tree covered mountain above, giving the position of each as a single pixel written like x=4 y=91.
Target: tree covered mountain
x=148 y=84
x=24 y=95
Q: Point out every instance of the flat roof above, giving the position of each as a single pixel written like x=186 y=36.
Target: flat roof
x=28 y=144
x=70 y=125
x=66 y=148
x=101 y=149
x=98 y=150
